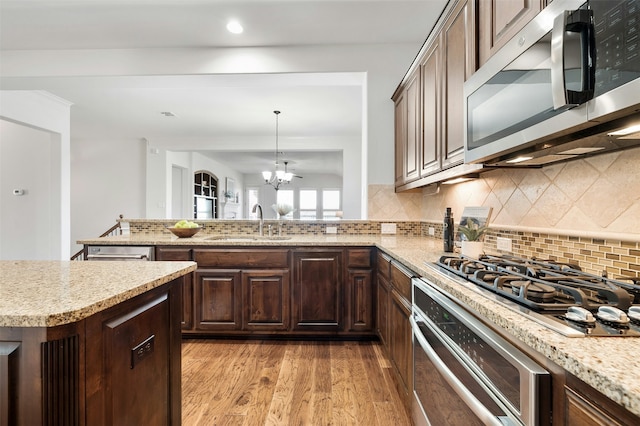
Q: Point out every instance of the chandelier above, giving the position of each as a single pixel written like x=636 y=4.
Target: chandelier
x=279 y=177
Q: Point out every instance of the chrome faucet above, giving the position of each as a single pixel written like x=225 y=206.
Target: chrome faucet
x=258 y=208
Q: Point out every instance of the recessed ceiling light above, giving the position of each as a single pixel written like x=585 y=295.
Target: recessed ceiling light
x=234 y=27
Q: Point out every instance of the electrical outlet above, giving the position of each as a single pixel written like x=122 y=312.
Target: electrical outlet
x=504 y=244
x=432 y=231
x=388 y=228
x=332 y=230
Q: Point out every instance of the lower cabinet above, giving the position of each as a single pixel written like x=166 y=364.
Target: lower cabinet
x=313 y=291
x=181 y=254
x=266 y=300
x=393 y=322
x=119 y=366
x=317 y=290
x=218 y=300
x=585 y=406
x=400 y=343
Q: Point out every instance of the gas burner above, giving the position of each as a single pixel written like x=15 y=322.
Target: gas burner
x=592 y=304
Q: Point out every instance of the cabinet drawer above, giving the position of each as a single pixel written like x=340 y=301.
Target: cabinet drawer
x=172 y=253
x=241 y=258
x=384 y=266
x=359 y=258
x=401 y=280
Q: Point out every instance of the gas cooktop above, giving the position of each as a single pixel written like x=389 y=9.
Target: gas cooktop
x=569 y=300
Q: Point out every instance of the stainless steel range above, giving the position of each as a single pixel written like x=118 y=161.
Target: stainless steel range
x=559 y=295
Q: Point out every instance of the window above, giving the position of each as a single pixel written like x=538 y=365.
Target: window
x=330 y=204
x=252 y=199
x=308 y=204
x=285 y=196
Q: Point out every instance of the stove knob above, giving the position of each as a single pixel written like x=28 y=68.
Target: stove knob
x=634 y=313
x=612 y=315
x=581 y=315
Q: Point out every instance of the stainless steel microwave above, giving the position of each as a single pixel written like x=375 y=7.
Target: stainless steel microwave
x=566 y=86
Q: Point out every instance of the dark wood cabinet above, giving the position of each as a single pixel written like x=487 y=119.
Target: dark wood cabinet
x=318 y=290
x=585 y=406
x=499 y=21
x=383 y=297
x=400 y=333
x=181 y=254
x=400 y=136
x=118 y=366
x=459 y=47
x=431 y=88
x=218 y=299
x=429 y=104
x=266 y=300
x=241 y=291
x=360 y=291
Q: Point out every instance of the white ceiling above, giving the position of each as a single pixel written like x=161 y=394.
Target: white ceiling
x=216 y=108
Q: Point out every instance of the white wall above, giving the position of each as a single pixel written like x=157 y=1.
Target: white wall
x=384 y=66
x=45 y=155
x=160 y=163
x=107 y=179
x=117 y=185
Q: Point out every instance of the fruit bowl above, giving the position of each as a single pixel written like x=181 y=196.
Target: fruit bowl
x=184 y=232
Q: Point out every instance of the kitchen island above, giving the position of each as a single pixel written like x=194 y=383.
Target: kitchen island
x=606 y=364
x=82 y=342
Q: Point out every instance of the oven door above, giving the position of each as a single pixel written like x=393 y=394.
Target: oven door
x=444 y=391
x=465 y=373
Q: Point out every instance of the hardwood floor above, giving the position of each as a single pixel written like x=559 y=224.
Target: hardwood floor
x=256 y=382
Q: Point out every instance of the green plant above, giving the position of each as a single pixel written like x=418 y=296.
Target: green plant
x=472 y=231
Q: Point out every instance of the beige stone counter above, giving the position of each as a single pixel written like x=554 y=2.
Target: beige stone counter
x=609 y=364
x=51 y=293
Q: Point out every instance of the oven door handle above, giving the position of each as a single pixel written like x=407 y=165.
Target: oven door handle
x=117 y=256
x=469 y=399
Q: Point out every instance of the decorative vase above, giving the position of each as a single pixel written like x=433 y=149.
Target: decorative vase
x=472 y=249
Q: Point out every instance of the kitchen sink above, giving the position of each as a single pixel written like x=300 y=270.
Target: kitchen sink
x=244 y=238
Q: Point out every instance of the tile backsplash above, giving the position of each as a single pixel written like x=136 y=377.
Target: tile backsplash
x=584 y=211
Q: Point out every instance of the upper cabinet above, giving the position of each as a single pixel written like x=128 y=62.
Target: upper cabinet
x=429 y=104
x=500 y=20
x=459 y=47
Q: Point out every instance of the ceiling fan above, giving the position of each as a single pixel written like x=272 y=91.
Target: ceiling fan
x=286 y=170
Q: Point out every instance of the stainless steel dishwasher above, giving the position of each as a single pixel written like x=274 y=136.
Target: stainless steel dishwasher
x=133 y=253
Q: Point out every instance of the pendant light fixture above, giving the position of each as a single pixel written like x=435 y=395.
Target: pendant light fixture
x=279 y=177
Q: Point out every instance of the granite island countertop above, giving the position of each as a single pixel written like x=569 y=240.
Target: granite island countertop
x=52 y=293
x=608 y=364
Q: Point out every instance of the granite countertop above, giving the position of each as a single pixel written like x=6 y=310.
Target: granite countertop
x=609 y=364
x=51 y=293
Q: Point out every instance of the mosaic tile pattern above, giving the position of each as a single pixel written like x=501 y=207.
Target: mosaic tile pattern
x=617 y=258
x=289 y=227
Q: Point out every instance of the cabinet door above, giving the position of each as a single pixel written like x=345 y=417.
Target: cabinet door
x=400 y=343
x=266 y=300
x=360 y=300
x=400 y=124
x=431 y=84
x=317 y=290
x=414 y=130
x=382 y=310
x=458 y=39
x=218 y=300
x=585 y=406
x=181 y=254
x=500 y=20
